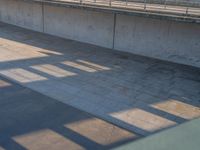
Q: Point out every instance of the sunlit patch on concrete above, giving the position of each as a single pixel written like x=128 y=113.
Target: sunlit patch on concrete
x=178 y=108
x=22 y=75
x=4 y=84
x=45 y=139
x=143 y=119
x=79 y=66
x=93 y=65
x=49 y=51
x=53 y=70
x=12 y=50
x=112 y=134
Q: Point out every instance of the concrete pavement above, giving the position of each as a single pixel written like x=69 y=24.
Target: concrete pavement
x=30 y=120
x=140 y=94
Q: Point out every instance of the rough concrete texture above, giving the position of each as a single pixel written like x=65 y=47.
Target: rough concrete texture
x=23 y=14
x=137 y=93
x=162 y=39
x=81 y=25
x=152 y=9
x=30 y=120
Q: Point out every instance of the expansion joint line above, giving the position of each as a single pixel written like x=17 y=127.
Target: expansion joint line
x=43 y=17
x=114 y=26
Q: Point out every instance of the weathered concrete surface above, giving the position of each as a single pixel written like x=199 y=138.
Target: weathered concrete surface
x=160 y=8
x=162 y=39
x=158 y=38
x=30 y=120
x=23 y=14
x=140 y=94
x=81 y=25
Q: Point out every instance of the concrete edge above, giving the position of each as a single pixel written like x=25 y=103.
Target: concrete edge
x=107 y=9
x=183 y=137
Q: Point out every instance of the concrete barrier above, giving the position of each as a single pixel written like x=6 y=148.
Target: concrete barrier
x=24 y=14
x=162 y=39
x=81 y=25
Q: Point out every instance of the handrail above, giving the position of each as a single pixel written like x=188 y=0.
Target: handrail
x=178 y=7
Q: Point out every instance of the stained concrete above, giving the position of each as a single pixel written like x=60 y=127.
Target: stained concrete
x=140 y=94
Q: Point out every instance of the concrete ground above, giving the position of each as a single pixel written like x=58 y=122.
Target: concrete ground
x=30 y=120
x=139 y=94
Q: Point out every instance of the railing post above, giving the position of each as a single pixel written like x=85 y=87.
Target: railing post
x=110 y=3
x=165 y=3
x=126 y=2
x=187 y=11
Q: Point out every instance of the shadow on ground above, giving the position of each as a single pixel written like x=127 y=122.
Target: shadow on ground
x=30 y=120
x=140 y=94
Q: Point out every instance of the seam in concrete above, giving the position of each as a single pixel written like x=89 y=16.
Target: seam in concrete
x=114 y=30
x=43 y=17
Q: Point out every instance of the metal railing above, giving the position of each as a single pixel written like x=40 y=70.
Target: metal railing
x=177 y=7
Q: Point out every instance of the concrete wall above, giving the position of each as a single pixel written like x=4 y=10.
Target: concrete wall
x=81 y=25
x=23 y=14
x=163 y=39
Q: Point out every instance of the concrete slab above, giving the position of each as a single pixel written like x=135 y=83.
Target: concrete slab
x=81 y=25
x=140 y=94
x=159 y=39
x=30 y=120
x=26 y=15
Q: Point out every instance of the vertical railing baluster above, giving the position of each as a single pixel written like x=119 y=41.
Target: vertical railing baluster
x=187 y=11
x=165 y=3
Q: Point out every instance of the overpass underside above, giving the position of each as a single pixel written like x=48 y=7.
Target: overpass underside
x=138 y=73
